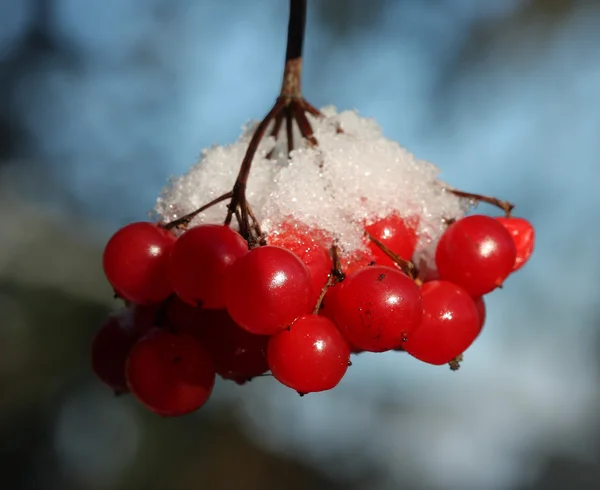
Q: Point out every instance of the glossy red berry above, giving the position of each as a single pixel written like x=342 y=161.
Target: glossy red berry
x=523 y=235
x=357 y=260
x=311 y=248
x=397 y=234
x=311 y=356
x=377 y=307
x=135 y=262
x=238 y=354
x=170 y=373
x=450 y=324
x=199 y=262
x=267 y=289
x=114 y=340
x=477 y=253
x=110 y=349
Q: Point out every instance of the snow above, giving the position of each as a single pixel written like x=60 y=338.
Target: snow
x=351 y=179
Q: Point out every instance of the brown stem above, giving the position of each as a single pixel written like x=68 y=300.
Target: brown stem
x=455 y=363
x=405 y=265
x=506 y=206
x=336 y=276
x=183 y=222
x=289 y=128
x=304 y=124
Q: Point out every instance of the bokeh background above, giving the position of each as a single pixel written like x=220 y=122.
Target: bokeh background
x=102 y=101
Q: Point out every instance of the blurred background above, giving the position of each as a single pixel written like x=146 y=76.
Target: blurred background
x=101 y=102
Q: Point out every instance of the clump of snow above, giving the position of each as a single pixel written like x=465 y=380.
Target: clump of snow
x=352 y=178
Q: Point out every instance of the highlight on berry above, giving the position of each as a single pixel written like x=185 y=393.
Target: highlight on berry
x=289 y=251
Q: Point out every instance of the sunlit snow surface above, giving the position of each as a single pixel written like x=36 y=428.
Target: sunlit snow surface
x=353 y=177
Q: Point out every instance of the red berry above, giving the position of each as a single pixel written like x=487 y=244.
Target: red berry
x=267 y=289
x=355 y=261
x=377 y=307
x=450 y=324
x=144 y=318
x=311 y=356
x=110 y=349
x=477 y=253
x=169 y=373
x=135 y=262
x=397 y=234
x=199 y=262
x=114 y=341
x=238 y=354
x=310 y=247
x=523 y=234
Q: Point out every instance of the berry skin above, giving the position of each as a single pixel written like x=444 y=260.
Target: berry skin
x=310 y=247
x=113 y=342
x=238 y=354
x=135 y=262
x=523 y=234
x=199 y=262
x=267 y=289
x=358 y=260
x=450 y=324
x=311 y=356
x=397 y=234
x=376 y=308
x=171 y=374
x=477 y=253
x=110 y=349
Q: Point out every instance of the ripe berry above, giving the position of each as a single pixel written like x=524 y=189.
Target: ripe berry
x=199 y=262
x=169 y=373
x=311 y=356
x=355 y=261
x=114 y=341
x=523 y=234
x=110 y=349
x=135 y=262
x=377 y=307
x=397 y=234
x=450 y=324
x=477 y=253
x=310 y=247
x=238 y=354
x=267 y=289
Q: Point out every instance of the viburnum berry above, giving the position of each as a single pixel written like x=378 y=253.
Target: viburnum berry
x=310 y=247
x=477 y=253
x=170 y=373
x=113 y=342
x=356 y=261
x=312 y=355
x=110 y=349
x=376 y=308
x=450 y=324
x=238 y=354
x=135 y=262
x=397 y=234
x=523 y=234
x=267 y=289
x=199 y=262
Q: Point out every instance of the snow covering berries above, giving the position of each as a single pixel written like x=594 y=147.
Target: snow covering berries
x=350 y=246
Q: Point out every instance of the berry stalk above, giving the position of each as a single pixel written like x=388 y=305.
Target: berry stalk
x=289 y=106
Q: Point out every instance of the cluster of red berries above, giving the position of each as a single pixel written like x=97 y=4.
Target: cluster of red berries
x=203 y=303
